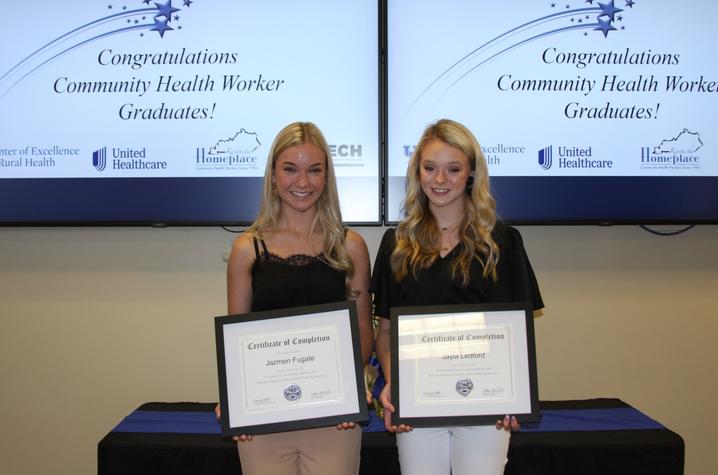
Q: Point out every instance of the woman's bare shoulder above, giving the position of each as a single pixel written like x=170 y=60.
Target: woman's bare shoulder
x=243 y=248
x=355 y=243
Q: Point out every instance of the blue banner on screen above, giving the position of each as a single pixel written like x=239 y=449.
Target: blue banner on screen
x=164 y=112
x=587 y=111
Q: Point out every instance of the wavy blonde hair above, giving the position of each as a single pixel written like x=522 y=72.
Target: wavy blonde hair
x=328 y=219
x=418 y=238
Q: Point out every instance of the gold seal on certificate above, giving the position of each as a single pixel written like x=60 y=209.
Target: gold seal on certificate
x=463 y=364
x=290 y=369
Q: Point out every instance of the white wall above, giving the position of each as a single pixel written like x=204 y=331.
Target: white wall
x=96 y=321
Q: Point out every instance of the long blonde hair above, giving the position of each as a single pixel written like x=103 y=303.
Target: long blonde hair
x=328 y=219
x=418 y=238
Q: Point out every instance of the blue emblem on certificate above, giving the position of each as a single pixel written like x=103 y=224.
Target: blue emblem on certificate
x=464 y=386
x=292 y=392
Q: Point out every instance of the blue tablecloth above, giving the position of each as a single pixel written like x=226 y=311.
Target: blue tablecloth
x=552 y=420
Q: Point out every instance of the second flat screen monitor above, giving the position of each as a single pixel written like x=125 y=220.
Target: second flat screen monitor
x=587 y=111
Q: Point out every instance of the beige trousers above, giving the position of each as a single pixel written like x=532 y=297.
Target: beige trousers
x=303 y=452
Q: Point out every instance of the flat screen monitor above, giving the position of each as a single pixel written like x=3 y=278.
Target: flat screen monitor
x=163 y=112
x=587 y=111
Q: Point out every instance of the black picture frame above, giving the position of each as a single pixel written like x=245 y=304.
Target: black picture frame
x=339 y=320
x=524 y=402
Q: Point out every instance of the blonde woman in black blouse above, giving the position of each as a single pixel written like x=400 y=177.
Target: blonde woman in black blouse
x=449 y=249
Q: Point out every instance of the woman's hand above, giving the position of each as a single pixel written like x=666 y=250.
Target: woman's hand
x=236 y=438
x=508 y=423
x=385 y=399
x=346 y=425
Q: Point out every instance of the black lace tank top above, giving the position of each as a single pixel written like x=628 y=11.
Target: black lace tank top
x=279 y=282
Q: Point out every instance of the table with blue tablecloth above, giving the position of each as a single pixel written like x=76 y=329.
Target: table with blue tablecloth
x=576 y=437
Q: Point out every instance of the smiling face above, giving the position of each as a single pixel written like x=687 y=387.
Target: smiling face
x=300 y=177
x=443 y=172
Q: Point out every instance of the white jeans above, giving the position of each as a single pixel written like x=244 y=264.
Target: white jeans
x=472 y=450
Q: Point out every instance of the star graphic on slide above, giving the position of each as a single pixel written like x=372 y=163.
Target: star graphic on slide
x=608 y=9
x=161 y=26
x=166 y=10
x=605 y=26
x=629 y=3
x=187 y=3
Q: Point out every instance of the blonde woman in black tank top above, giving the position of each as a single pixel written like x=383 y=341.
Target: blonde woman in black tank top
x=298 y=253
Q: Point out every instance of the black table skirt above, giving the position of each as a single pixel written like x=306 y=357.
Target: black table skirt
x=627 y=451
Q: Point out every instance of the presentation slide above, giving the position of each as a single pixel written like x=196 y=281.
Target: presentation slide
x=589 y=90
x=161 y=93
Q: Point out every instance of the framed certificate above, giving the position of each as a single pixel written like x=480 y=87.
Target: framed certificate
x=463 y=364
x=290 y=369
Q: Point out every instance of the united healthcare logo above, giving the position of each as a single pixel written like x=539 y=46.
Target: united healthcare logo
x=99 y=159
x=126 y=159
x=545 y=157
x=571 y=157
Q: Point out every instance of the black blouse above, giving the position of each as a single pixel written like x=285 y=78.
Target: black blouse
x=434 y=286
x=294 y=281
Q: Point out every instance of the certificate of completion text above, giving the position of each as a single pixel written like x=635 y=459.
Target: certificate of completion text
x=461 y=365
x=289 y=369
